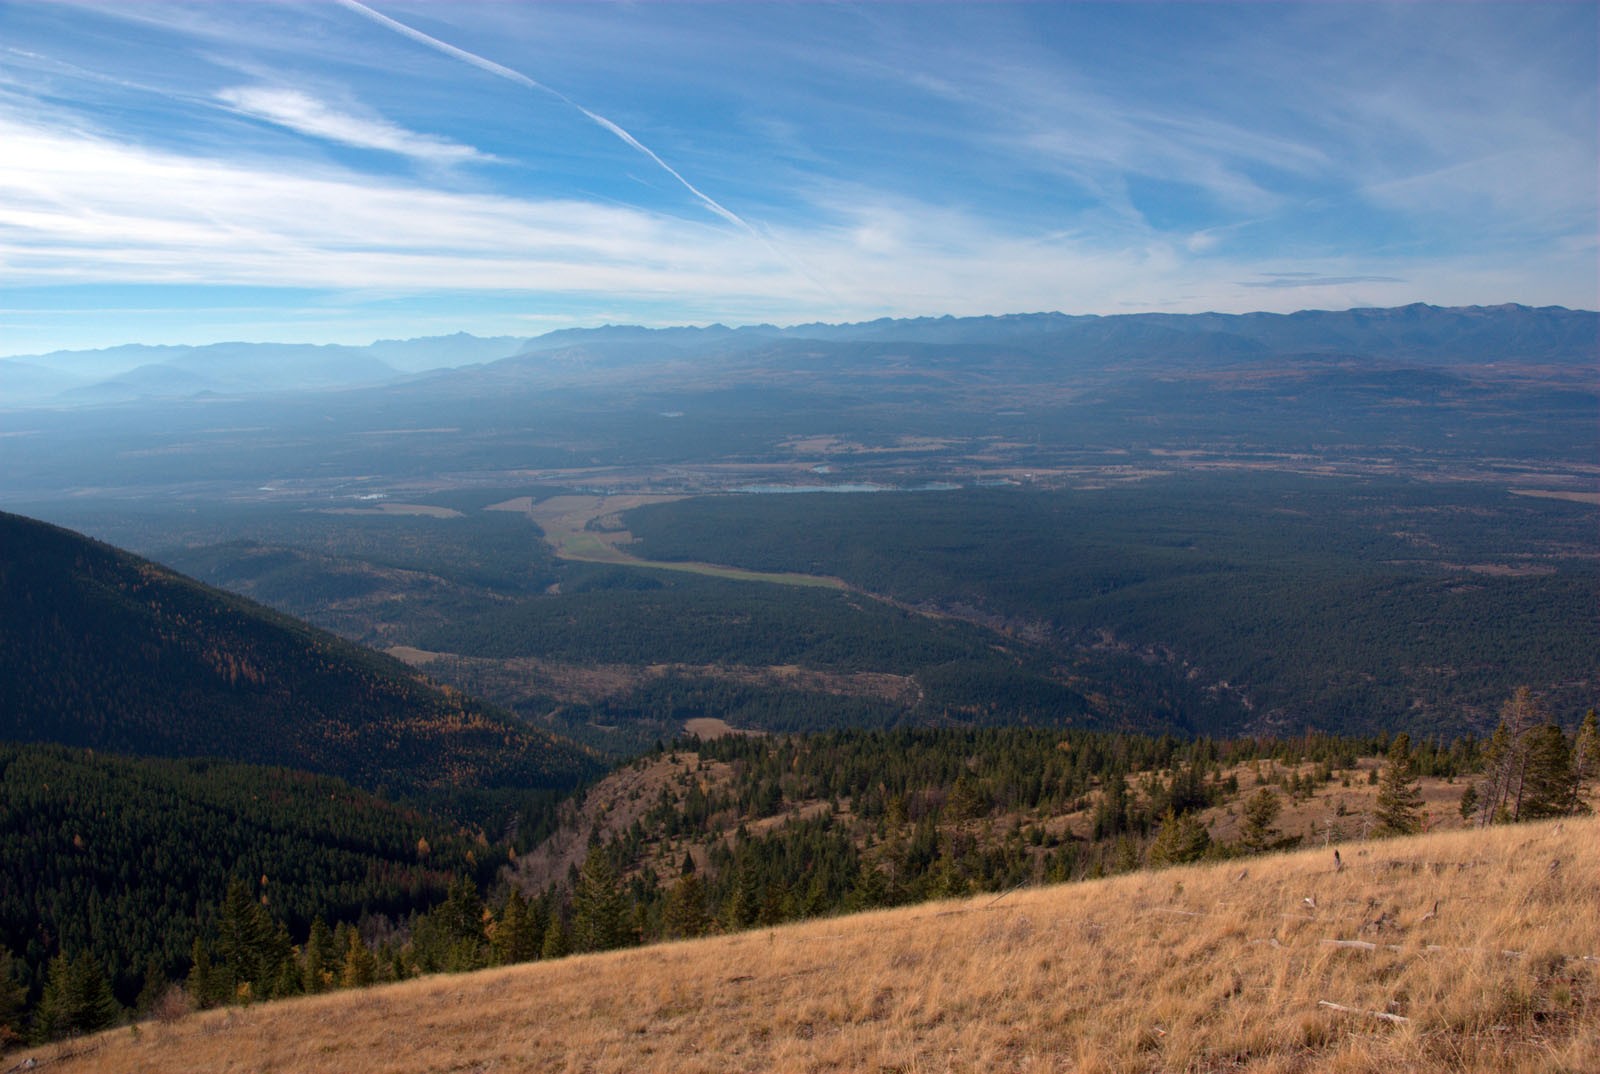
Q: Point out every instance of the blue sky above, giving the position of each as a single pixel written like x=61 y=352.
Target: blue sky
x=328 y=172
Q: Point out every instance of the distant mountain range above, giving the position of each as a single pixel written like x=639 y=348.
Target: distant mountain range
x=1418 y=333
x=135 y=371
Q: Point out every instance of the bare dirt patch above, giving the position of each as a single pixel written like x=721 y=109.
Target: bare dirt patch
x=417 y=658
x=1510 y=570
x=1559 y=494
x=610 y=808
x=711 y=727
x=507 y=681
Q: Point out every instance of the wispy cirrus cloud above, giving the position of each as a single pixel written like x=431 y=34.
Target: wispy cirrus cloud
x=517 y=77
x=1313 y=279
x=305 y=114
x=76 y=208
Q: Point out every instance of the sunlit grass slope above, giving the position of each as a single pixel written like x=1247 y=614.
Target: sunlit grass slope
x=1459 y=951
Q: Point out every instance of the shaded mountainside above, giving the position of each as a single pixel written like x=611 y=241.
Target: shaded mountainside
x=101 y=649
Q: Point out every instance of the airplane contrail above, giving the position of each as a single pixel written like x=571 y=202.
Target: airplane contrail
x=521 y=79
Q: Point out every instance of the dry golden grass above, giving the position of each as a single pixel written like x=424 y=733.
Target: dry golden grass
x=1483 y=943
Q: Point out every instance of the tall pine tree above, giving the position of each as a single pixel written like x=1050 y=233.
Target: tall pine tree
x=1507 y=758
x=1549 y=789
x=1399 y=810
x=599 y=908
x=1586 y=753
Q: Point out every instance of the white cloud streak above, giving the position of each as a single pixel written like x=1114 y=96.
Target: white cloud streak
x=305 y=114
x=523 y=80
x=78 y=209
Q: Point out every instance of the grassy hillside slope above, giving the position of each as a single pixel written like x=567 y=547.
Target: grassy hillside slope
x=1461 y=951
x=102 y=649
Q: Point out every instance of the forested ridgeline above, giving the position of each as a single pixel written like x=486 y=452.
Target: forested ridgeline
x=745 y=830
x=102 y=649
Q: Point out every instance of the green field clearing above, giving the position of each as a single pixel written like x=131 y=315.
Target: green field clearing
x=585 y=548
x=564 y=521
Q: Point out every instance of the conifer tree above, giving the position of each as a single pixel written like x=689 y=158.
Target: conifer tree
x=282 y=972
x=13 y=1000
x=460 y=916
x=359 y=967
x=459 y=922
x=515 y=937
x=1469 y=801
x=152 y=988
x=1549 y=789
x=1110 y=814
x=1399 y=796
x=685 y=915
x=202 y=985
x=1586 y=753
x=319 y=957
x=1181 y=839
x=1259 y=814
x=556 y=942
x=238 y=938
x=76 y=999
x=255 y=951
x=599 y=908
x=1507 y=758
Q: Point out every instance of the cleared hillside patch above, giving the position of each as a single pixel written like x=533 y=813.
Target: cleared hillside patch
x=1474 y=951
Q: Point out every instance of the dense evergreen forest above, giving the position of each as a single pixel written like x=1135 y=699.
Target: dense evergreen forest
x=1195 y=601
x=101 y=649
x=1347 y=604
x=122 y=859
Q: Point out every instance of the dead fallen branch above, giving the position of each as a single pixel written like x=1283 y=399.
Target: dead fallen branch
x=1367 y=945
x=1342 y=1009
